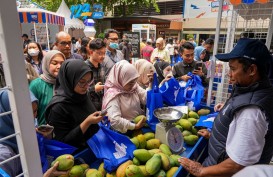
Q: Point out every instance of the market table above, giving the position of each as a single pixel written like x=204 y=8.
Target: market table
x=197 y=152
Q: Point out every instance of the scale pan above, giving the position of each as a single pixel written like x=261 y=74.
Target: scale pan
x=167 y=114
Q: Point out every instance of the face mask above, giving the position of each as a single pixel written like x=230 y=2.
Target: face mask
x=113 y=45
x=33 y=52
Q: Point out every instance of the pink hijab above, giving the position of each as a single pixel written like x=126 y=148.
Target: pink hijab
x=121 y=74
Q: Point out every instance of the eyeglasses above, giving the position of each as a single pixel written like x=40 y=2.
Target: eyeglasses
x=83 y=84
x=65 y=43
x=100 y=53
x=113 y=39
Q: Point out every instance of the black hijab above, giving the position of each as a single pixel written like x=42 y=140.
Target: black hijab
x=69 y=75
x=73 y=107
x=159 y=67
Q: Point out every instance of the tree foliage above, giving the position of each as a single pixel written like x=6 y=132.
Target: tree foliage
x=126 y=6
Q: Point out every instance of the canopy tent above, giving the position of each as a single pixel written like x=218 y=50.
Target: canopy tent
x=35 y=15
x=253 y=9
x=69 y=23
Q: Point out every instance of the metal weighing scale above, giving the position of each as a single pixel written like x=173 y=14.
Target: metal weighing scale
x=166 y=132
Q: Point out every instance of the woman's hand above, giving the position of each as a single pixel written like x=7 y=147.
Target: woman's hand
x=47 y=133
x=140 y=124
x=151 y=78
x=99 y=87
x=185 y=77
x=168 y=77
x=91 y=119
x=52 y=172
x=94 y=118
x=204 y=132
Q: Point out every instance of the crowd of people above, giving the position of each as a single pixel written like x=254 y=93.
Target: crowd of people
x=73 y=86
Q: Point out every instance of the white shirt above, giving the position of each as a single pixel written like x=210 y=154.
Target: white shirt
x=78 y=45
x=170 y=48
x=256 y=171
x=246 y=136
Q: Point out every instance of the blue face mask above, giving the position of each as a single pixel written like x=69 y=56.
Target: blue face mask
x=113 y=45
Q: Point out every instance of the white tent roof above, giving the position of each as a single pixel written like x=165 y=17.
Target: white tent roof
x=69 y=23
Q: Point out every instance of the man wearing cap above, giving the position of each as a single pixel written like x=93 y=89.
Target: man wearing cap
x=243 y=130
x=25 y=40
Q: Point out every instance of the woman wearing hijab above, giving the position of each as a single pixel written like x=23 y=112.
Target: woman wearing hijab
x=163 y=71
x=199 y=53
x=124 y=97
x=70 y=111
x=43 y=87
x=144 y=68
x=160 y=53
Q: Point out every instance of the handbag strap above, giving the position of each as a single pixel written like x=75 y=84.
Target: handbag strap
x=192 y=95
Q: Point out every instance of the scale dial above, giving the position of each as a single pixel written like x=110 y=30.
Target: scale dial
x=175 y=140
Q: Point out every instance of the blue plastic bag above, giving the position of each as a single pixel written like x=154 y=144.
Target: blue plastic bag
x=194 y=91
x=113 y=147
x=175 y=59
x=207 y=120
x=53 y=148
x=56 y=148
x=154 y=100
x=172 y=93
x=3 y=173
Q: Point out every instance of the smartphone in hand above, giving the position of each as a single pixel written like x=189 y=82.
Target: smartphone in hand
x=198 y=65
x=45 y=128
x=104 y=112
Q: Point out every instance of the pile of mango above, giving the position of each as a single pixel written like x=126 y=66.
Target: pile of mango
x=66 y=163
x=151 y=158
x=186 y=125
x=154 y=162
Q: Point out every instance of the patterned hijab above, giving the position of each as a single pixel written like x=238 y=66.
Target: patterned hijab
x=121 y=74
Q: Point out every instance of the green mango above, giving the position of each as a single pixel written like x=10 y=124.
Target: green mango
x=76 y=171
x=191 y=139
x=153 y=165
x=66 y=162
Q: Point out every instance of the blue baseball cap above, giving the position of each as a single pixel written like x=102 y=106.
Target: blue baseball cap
x=249 y=49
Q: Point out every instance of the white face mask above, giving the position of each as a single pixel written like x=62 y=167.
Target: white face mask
x=33 y=52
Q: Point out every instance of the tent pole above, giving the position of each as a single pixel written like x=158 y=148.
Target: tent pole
x=47 y=37
x=35 y=34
